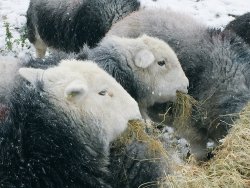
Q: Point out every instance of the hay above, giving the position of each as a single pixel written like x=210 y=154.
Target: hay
x=136 y=132
x=183 y=110
x=229 y=168
x=186 y=108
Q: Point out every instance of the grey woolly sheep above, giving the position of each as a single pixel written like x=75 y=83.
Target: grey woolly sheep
x=69 y=24
x=216 y=64
x=146 y=67
x=44 y=112
x=59 y=124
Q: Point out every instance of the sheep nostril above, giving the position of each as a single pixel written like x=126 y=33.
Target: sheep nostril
x=110 y=94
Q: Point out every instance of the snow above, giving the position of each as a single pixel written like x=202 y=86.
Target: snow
x=12 y=12
x=212 y=12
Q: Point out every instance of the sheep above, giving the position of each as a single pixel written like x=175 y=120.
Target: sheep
x=59 y=125
x=67 y=25
x=216 y=64
x=40 y=113
x=241 y=26
x=146 y=67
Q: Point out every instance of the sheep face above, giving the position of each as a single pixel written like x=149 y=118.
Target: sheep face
x=86 y=89
x=157 y=66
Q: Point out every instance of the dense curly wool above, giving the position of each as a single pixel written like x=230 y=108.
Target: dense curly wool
x=216 y=64
x=41 y=145
x=241 y=26
x=67 y=25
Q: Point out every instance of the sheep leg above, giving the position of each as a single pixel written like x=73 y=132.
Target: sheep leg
x=40 y=48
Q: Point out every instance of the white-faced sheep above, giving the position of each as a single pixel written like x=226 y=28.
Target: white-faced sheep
x=68 y=24
x=59 y=124
x=146 y=67
x=216 y=64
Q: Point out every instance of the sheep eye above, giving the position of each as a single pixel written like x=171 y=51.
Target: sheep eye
x=161 y=63
x=103 y=92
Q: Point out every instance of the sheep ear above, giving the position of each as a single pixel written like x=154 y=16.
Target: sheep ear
x=31 y=74
x=144 y=58
x=75 y=90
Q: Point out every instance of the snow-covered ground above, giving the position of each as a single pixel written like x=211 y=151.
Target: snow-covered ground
x=13 y=12
x=212 y=12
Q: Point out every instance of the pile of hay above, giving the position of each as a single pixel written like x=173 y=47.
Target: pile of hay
x=229 y=168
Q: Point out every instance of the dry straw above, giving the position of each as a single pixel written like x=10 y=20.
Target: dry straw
x=230 y=168
x=185 y=109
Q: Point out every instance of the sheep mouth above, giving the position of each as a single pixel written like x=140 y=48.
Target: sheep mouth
x=183 y=91
x=135 y=117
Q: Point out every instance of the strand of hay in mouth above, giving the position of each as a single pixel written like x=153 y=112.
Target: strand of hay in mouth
x=230 y=168
x=136 y=132
x=183 y=110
